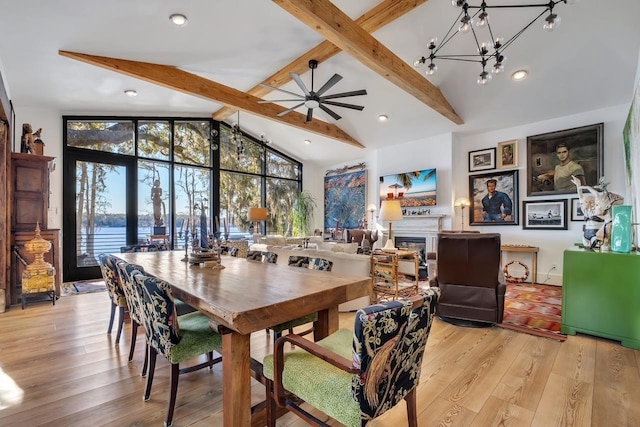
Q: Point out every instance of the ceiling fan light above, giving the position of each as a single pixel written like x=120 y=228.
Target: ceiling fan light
x=179 y=19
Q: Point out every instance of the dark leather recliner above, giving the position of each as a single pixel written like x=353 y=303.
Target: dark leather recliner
x=470 y=278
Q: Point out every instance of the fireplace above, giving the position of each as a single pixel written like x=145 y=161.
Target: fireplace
x=417 y=244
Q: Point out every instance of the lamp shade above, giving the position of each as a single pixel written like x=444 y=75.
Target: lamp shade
x=462 y=202
x=257 y=214
x=390 y=210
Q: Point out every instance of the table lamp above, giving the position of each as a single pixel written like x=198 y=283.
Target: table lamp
x=462 y=202
x=390 y=211
x=257 y=215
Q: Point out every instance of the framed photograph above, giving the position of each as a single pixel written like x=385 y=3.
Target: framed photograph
x=481 y=160
x=544 y=214
x=508 y=154
x=553 y=157
x=576 y=210
x=494 y=198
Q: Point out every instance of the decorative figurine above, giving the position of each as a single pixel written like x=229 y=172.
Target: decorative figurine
x=596 y=208
x=27 y=143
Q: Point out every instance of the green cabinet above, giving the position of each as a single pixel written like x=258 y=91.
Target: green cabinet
x=601 y=295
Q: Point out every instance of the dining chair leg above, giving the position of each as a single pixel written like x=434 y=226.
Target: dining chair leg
x=134 y=336
x=113 y=315
x=120 y=324
x=152 y=367
x=146 y=360
x=173 y=391
x=412 y=415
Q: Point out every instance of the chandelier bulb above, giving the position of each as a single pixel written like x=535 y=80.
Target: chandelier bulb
x=551 y=22
x=497 y=43
x=419 y=61
x=457 y=3
x=481 y=20
x=498 y=68
x=484 y=78
x=484 y=48
x=431 y=69
x=432 y=43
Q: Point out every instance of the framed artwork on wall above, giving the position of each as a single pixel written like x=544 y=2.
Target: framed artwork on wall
x=544 y=214
x=576 y=210
x=508 y=154
x=480 y=160
x=416 y=190
x=494 y=198
x=345 y=199
x=553 y=157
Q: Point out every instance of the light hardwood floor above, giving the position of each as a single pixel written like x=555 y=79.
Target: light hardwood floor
x=58 y=367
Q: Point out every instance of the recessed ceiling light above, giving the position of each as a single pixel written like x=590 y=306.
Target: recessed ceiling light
x=383 y=117
x=307 y=141
x=519 y=75
x=179 y=19
x=131 y=92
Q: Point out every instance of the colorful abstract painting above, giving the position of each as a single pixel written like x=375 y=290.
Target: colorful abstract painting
x=345 y=199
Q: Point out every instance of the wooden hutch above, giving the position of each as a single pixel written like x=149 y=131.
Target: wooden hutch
x=29 y=205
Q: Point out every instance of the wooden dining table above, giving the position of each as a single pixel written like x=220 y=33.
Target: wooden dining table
x=247 y=297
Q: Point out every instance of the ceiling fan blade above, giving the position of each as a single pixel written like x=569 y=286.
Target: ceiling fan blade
x=282 y=113
x=329 y=84
x=329 y=112
x=309 y=114
x=282 y=90
x=345 y=94
x=300 y=83
x=341 y=104
x=266 y=101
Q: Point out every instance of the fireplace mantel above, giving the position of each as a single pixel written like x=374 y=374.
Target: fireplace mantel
x=426 y=226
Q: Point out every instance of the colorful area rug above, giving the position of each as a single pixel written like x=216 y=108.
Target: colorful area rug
x=534 y=309
x=83 y=287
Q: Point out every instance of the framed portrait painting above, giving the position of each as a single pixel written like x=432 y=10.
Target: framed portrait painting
x=494 y=198
x=508 y=154
x=576 y=210
x=481 y=160
x=552 y=158
x=544 y=215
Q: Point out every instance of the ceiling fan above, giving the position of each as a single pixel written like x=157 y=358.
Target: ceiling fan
x=314 y=99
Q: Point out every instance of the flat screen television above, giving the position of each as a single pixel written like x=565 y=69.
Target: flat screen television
x=414 y=189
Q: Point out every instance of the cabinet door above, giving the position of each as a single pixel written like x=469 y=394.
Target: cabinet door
x=29 y=191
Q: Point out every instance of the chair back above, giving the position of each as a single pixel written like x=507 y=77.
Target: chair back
x=469 y=259
x=299 y=261
x=270 y=257
x=160 y=318
x=254 y=256
x=320 y=264
x=388 y=346
x=129 y=285
x=108 y=267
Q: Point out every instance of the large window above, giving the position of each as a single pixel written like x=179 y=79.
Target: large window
x=136 y=179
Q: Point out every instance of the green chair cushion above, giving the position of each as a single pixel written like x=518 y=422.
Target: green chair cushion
x=296 y=322
x=319 y=383
x=196 y=337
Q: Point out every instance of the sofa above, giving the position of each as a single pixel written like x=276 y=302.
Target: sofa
x=343 y=262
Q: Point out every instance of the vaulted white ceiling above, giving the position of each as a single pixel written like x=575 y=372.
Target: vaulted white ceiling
x=589 y=62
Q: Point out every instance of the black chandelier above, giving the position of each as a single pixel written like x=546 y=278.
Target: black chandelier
x=492 y=50
x=237 y=138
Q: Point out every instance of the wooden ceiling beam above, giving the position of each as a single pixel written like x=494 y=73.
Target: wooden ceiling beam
x=174 y=78
x=329 y=21
x=374 y=19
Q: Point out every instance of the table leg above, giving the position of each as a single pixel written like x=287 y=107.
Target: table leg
x=327 y=323
x=236 y=379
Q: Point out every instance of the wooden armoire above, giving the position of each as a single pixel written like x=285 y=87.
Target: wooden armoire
x=29 y=204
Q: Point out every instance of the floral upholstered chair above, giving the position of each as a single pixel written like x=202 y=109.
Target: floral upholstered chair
x=178 y=338
x=127 y=271
x=354 y=377
x=114 y=288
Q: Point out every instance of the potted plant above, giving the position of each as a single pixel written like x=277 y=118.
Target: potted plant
x=303 y=209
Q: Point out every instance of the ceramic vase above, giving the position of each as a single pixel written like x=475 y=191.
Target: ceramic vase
x=621 y=229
